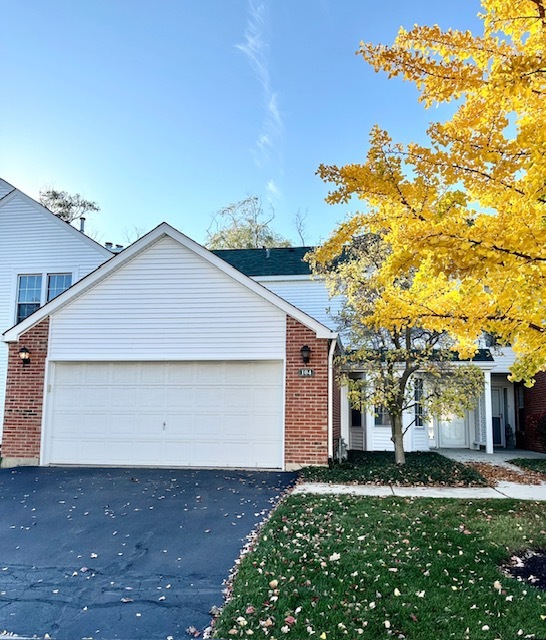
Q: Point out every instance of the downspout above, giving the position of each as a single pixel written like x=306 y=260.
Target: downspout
x=331 y=400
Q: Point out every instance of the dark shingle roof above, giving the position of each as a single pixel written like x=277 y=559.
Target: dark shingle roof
x=282 y=261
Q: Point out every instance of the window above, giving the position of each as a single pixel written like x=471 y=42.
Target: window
x=382 y=418
x=57 y=283
x=418 y=404
x=29 y=295
x=30 y=291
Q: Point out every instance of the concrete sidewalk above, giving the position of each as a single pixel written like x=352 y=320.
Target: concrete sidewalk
x=502 y=490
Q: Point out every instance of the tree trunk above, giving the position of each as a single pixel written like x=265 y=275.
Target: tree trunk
x=398 y=439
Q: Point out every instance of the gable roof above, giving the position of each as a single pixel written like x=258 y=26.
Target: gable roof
x=10 y=192
x=118 y=260
x=278 y=261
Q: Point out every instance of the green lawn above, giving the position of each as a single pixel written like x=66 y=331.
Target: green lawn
x=530 y=464
x=415 y=569
x=378 y=467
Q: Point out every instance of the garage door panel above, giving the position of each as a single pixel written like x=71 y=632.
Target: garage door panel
x=68 y=398
x=206 y=397
x=179 y=397
x=207 y=372
x=122 y=373
x=179 y=373
x=179 y=428
x=71 y=373
x=151 y=398
x=217 y=414
x=151 y=373
x=125 y=398
x=236 y=397
x=121 y=425
x=266 y=398
x=266 y=428
x=92 y=398
x=96 y=373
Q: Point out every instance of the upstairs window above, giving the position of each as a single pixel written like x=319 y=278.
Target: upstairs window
x=29 y=295
x=32 y=294
x=57 y=283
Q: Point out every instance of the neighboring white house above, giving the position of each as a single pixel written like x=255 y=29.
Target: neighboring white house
x=40 y=256
x=486 y=426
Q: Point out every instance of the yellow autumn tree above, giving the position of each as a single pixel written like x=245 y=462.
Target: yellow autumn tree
x=466 y=212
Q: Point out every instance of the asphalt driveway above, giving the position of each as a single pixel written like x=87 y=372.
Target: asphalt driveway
x=122 y=553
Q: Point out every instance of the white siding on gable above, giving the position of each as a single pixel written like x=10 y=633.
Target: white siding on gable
x=504 y=358
x=309 y=295
x=168 y=303
x=33 y=241
x=5 y=188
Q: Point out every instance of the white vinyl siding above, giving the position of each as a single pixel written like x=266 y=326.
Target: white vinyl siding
x=191 y=414
x=168 y=303
x=504 y=358
x=309 y=295
x=34 y=241
x=378 y=437
x=5 y=188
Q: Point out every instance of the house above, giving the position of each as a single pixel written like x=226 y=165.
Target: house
x=498 y=420
x=40 y=256
x=171 y=355
x=166 y=355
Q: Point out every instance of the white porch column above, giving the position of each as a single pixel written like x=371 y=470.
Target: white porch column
x=488 y=413
x=370 y=422
x=345 y=412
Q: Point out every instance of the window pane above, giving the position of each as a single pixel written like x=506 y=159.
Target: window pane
x=24 y=310
x=29 y=289
x=382 y=417
x=57 y=283
x=29 y=294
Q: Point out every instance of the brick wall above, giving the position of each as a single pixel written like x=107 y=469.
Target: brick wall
x=306 y=407
x=24 y=396
x=535 y=409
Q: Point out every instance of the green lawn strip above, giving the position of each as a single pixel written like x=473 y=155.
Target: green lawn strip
x=419 y=569
x=530 y=464
x=378 y=468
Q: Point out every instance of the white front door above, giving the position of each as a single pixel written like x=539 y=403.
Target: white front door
x=452 y=432
x=497 y=415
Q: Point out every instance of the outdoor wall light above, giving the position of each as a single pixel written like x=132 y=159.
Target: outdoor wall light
x=24 y=354
x=305 y=354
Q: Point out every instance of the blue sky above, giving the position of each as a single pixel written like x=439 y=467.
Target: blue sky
x=169 y=110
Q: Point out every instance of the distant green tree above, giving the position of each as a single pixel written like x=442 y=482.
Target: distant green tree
x=66 y=206
x=243 y=225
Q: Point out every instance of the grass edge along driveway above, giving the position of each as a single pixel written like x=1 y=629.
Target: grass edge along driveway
x=418 y=569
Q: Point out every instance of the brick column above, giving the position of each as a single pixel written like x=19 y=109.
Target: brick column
x=306 y=406
x=24 y=399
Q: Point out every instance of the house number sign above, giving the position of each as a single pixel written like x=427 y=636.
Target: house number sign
x=307 y=373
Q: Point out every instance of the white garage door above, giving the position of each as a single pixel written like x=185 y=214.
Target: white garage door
x=213 y=414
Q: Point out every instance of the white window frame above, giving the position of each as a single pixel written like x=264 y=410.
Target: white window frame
x=44 y=286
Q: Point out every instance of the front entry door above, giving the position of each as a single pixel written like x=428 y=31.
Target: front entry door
x=452 y=432
x=498 y=417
